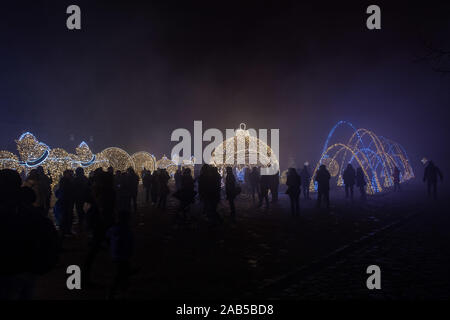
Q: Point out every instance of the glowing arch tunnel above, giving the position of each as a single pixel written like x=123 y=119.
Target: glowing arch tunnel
x=376 y=155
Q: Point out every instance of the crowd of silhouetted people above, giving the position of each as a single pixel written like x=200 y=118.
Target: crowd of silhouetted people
x=104 y=202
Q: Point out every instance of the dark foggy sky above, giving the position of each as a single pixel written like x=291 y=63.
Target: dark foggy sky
x=138 y=70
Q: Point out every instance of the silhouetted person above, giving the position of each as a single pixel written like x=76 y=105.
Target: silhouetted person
x=264 y=186
x=58 y=208
x=212 y=193
x=132 y=187
x=154 y=188
x=247 y=180
x=254 y=178
x=349 y=177
x=147 y=183
x=67 y=198
x=45 y=181
x=186 y=192
x=81 y=191
x=396 y=177
x=34 y=181
x=121 y=249
x=28 y=239
x=110 y=171
x=323 y=185
x=117 y=178
x=202 y=182
x=101 y=215
x=293 y=181
x=361 y=182
x=274 y=184
x=163 y=188
x=27 y=198
x=123 y=192
x=430 y=176
x=177 y=178
x=231 y=190
x=305 y=178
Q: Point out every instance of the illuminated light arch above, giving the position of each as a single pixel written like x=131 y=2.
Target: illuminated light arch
x=376 y=141
x=330 y=134
x=377 y=158
x=117 y=158
x=400 y=157
x=385 y=150
x=244 y=147
x=341 y=147
x=332 y=166
x=143 y=159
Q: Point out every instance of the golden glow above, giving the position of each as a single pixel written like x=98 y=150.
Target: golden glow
x=143 y=159
x=166 y=163
x=117 y=158
x=9 y=160
x=243 y=150
x=377 y=160
x=33 y=153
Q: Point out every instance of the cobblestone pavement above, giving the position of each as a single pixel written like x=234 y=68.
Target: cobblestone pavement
x=414 y=259
x=190 y=260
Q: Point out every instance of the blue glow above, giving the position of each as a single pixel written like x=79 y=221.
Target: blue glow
x=83 y=145
x=378 y=159
x=26 y=134
x=37 y=162
x=330 y=134
x=88 y=163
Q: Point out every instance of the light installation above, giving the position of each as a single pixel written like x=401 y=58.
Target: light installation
x=9 y=160
x=243 y=150
x=117 y=158
x=143 y=160
x=33 y=153
x=376 y=155
x=169 y=165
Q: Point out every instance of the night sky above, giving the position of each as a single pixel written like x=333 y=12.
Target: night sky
x=138 y=70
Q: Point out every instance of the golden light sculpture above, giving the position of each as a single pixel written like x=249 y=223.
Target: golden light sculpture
x=376 y=155
x=243 y=150
x=83 y=153
x=87 y=160
x=118 y=158
x=57 y=162
x=31 y=151
x=143 y=159
x=166 y=163
x=9 y=160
